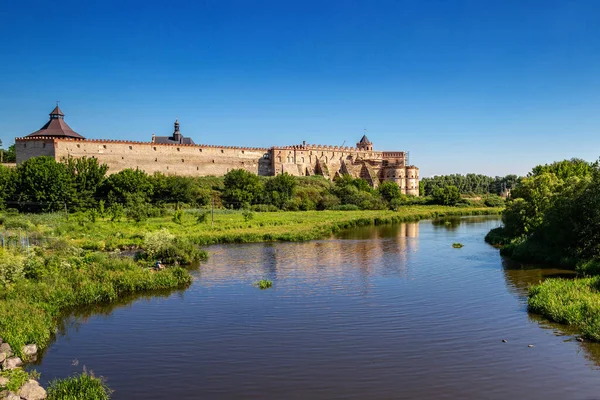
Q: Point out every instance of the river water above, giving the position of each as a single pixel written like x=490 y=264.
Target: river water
x=375 y=313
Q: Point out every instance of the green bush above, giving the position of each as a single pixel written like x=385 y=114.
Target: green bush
x=79 y=387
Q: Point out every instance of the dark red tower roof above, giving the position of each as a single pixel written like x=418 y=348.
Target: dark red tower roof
x=56 y=127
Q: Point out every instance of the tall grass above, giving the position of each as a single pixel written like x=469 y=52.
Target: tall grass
x=573 y=302
x=79 y=387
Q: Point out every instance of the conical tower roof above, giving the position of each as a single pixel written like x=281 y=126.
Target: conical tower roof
x=56 y=127
x=365 y=140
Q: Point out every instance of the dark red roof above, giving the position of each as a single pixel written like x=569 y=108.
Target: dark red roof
x=57 y=111
x=56 y=127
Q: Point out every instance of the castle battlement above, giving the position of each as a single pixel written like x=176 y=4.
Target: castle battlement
x=179 y=155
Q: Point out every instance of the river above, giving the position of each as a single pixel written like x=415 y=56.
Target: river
x=374 y=313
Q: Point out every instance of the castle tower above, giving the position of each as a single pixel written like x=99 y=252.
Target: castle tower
x=56 y=127
x=176 y=133
x=365 y=144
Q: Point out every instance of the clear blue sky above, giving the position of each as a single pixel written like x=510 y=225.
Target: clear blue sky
x=482 y=86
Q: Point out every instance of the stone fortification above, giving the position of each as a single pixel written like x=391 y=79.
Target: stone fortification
x=177 y=156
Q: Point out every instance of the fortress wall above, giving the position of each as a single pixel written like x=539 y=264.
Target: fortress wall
x=27 y=149
x=170 y=159
x=295 y=160
x=205 y=160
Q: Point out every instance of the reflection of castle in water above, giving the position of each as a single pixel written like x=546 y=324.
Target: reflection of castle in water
x=371 y=251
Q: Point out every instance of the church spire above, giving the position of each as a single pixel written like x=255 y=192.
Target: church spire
x=176 y=133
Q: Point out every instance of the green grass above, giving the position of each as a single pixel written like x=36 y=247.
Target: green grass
x=263 y=284
x=229 y=226
x=16 y=378
x=48 y=282
x=573 y=302
x=79 y=387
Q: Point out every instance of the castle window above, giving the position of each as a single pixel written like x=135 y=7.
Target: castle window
x=44 y=145
x=197 y=168
x=167 y=167
x=156 y=160
x=278 y=159
x=200 y=150
x=78 y=146
x=243 y=152
x=122 y=158
x=222 y=151
x=154 y=148
x=178 y=149
x=130 y=147
x=24 y=144
x=213 y=161
x=182 y=160
x=104 y=146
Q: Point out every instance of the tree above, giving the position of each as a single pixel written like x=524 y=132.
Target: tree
x=7 y=185
x=126 y=185
x=87 y=177
x=43 y=185
x=447 y=196
x=389 y=191
x=10 y=155
x=242 y=188
x=280 y=189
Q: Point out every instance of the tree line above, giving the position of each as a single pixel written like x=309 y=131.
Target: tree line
x=42 y=184
x=469 y=184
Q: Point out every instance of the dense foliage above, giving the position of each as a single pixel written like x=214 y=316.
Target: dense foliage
x=469 y=184
x=41 y=185
x=10 y=155
x=553 y=215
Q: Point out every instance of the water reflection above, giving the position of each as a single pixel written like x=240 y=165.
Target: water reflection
x=383 y=250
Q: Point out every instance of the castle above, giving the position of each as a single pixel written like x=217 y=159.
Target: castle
x=179 y=155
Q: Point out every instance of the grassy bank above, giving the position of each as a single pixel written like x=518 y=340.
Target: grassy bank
x=228 y=226
x=573 y=302
x=39 y=285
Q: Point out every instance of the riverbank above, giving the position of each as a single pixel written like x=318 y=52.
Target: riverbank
x=225 y=226
x=574 y=302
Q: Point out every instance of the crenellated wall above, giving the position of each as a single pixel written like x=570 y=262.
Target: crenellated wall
x=205 y=160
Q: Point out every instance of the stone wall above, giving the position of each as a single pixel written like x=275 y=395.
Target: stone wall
x=27 y=149
x=151 y=157
x=206 y=160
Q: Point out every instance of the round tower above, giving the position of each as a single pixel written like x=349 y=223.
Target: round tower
x=412 y=180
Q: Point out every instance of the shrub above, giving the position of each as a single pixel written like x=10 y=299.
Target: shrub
x=84 y=386
x=494 y=201
x=248 y=215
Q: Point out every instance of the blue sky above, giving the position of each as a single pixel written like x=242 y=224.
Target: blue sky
x=492 y=87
